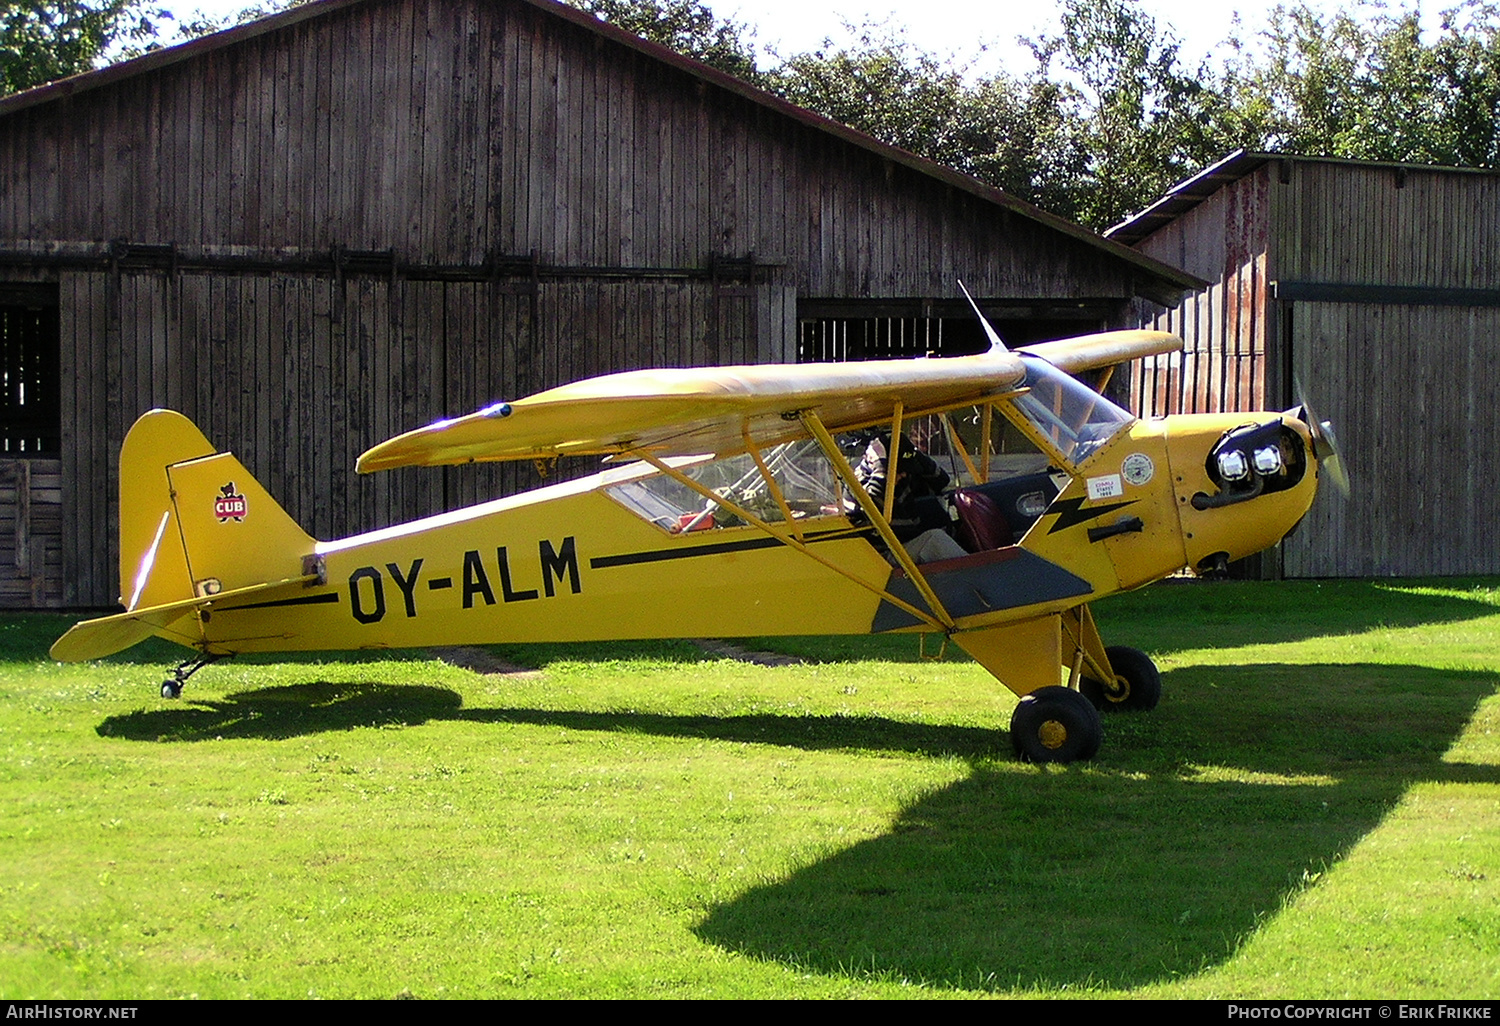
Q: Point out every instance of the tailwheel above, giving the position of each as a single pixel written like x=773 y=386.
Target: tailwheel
x=172 y=686
x=1137 y=685
x=1055 y=724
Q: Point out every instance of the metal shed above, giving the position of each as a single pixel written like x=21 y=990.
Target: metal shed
x=1377 y=286
x=358 y=216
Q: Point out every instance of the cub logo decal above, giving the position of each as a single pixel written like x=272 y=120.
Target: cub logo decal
x=230 y=504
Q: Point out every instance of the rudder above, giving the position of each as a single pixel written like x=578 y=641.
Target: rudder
x=193 y=522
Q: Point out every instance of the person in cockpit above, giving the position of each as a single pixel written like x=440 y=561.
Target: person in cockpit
x=920 y=516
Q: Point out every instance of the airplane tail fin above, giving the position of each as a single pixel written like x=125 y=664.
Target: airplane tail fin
x=193 y=525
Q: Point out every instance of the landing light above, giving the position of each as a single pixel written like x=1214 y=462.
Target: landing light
x=1268 y=460
x=1232 y=466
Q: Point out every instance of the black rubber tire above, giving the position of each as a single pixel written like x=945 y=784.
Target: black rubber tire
x=1055 y=724
x=171 y=689
x=1137 y=672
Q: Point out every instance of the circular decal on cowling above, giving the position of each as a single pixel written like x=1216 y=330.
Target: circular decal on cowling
x=1137 y=468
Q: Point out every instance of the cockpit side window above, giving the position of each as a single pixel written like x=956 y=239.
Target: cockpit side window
x=801 y=471
x=1073 y=418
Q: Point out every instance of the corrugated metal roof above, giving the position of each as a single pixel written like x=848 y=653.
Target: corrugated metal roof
x=1162 y=273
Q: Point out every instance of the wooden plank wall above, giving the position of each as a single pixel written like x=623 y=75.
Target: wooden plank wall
x=1226 y=240
x=297 y=381
x=1404 y=384
x=1419 y=427
x=1380 y=225
x=31 y=534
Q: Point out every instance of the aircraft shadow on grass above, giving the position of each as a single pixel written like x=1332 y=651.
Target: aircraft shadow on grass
x=277 y=713
x=1139 y=869
x=1145 y=872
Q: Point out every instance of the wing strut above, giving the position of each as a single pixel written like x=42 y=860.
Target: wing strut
x=769 y=478
x=957 y=442
x=880 y=523
x=892 y=460
x=799 y=545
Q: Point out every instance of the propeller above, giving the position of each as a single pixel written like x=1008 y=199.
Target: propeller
x=1325 y=444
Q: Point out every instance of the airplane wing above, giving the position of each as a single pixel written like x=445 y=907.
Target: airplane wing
x=693 y=411
x=683 y=412
x=1107 y=349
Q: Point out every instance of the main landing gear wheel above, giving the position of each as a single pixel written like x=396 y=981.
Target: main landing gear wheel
x=1137 y=687
x=1055 y=724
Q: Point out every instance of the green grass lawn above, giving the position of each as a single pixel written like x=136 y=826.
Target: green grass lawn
x=1313 y=811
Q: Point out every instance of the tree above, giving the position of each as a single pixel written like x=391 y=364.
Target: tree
x=1144 y=122
x=44 y=40
x=686 y=26
x=1368 y=87
x=1006 y=132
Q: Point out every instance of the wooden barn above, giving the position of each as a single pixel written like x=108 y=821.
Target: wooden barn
x=332 y=225
x=1377 y=286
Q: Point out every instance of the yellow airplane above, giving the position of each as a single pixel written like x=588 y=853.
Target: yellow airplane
x=728 y=507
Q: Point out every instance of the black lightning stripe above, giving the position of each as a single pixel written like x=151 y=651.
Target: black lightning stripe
x=301 y=600
x=1070 y=512
x=743 y=545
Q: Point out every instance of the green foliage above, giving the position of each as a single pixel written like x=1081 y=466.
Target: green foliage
x=1144 y=121
x=1369 y=87
x=44 y=41
x=687 y=26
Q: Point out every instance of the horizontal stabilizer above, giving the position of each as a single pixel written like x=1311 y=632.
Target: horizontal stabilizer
x=95 y=639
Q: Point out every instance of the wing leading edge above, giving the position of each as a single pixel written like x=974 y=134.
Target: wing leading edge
x=1106 y=349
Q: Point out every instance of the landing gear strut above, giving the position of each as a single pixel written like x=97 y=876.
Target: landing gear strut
x=172 y=686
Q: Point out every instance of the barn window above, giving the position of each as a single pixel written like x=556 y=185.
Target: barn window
x=834 y=336
x=839 y=330
x=30 y=373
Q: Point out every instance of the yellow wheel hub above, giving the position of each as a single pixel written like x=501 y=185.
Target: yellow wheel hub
x=1052 y=734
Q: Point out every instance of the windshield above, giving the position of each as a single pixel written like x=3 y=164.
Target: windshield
x=1073 y=417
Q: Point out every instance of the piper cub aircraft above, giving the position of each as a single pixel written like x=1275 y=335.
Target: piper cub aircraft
x=730 y=506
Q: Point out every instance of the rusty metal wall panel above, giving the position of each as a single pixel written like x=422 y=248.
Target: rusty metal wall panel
x=1225 y=239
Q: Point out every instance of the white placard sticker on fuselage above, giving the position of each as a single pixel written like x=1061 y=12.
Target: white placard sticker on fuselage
x=1105 y=487
x=1138 y=469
